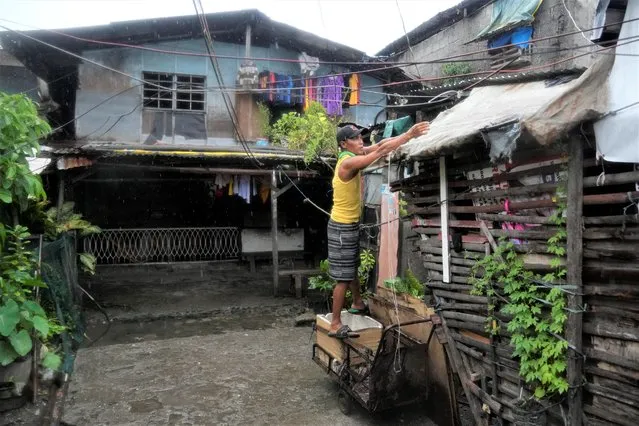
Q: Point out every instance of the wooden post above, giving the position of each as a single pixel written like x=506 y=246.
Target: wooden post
x=61 y=185
x=464 y=379
x=276 y=260
x=443 y=196
x=574 y=324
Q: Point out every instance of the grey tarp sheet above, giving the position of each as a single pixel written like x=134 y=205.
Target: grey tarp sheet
x=618 y=134
x=544 y=110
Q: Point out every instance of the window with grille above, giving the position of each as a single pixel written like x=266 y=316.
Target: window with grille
x=174 y=91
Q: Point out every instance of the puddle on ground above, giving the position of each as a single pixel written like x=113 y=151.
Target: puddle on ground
x=145 y=406
x=161 y=329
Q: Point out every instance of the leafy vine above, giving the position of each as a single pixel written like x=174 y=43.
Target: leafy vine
x=536 y=306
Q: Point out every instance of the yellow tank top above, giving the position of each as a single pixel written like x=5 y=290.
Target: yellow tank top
x=347 y=203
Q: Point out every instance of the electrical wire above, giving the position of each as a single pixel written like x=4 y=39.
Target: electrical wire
x=306 y=199
x=521 y=70
x=94 y=107
x=410 y=47
x=199 y=11
x=236 y=57
x=103 y=311
x=391 y=84
x=49 y=82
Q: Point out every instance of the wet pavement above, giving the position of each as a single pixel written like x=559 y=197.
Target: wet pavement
x=201 y=347
x=237 y=377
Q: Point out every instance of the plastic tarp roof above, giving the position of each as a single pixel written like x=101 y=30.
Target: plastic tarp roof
x=618 y=134
x=508 y=14
x=544 y=109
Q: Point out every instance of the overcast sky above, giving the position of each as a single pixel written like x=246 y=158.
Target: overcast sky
x=367 y=25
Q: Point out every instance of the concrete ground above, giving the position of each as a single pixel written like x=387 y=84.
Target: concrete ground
x=240 y=377
x=201 y=346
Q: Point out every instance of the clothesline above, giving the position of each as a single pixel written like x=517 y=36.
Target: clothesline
x=330 y=91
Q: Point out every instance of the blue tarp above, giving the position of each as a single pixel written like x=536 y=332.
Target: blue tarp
x=508 y=14
x=519 y=36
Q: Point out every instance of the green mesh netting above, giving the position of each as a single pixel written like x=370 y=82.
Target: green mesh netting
x=60 y=273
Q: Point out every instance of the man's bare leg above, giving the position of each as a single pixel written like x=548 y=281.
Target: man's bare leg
x=339 y=296
x=358 y=302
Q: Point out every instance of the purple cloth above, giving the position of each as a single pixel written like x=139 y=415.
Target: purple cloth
x=330 y=94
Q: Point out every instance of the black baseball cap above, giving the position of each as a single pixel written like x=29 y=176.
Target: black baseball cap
x=349 y=131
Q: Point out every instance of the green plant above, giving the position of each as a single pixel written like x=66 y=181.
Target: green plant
x=453 y=69
x=20 y=130
x=403 y=204
x=408 y=285
x=312 y=132
x=20 y=315
x=324 y=283
x=536 y=305
x=59 y=221
x=265 y=117
x=56 y=222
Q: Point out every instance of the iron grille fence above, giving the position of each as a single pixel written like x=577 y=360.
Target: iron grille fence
x=156 y=245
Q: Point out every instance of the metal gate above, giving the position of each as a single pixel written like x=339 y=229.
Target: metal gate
x=158 y=245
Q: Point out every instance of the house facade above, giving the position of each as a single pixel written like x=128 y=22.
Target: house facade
x=156 y=138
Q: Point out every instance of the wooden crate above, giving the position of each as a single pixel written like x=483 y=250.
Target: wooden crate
x=369 y=330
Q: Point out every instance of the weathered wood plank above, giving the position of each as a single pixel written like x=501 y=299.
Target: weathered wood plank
x=460 y=296
x=465 y=317
x=612 y=268
x=626 y=291
x=537 y=220
x=450 y=287
x=611 y=249
x=611 y=358
x=605 y=328
x=468 y=326
x=611 y=220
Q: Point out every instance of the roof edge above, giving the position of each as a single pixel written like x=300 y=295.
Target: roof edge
x=434 y=25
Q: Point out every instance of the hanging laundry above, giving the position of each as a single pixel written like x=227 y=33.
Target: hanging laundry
x=272 y=85
x=354 y=85
x=263 y=85
x=331 y=94
x=311 y=92
x=243 y=187
x=297 y=97
x=231 y=187
x=254 y=184
x=265 y=190
x=222 y=181
x=284 y=86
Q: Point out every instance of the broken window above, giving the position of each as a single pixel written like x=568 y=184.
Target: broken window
x=174 y=91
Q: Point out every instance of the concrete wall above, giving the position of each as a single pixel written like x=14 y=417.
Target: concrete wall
x=97 y=84
x=15 y=78
x=551 y=19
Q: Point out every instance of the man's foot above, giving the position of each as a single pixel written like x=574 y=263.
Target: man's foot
x=359 y=309
x=343 y=332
